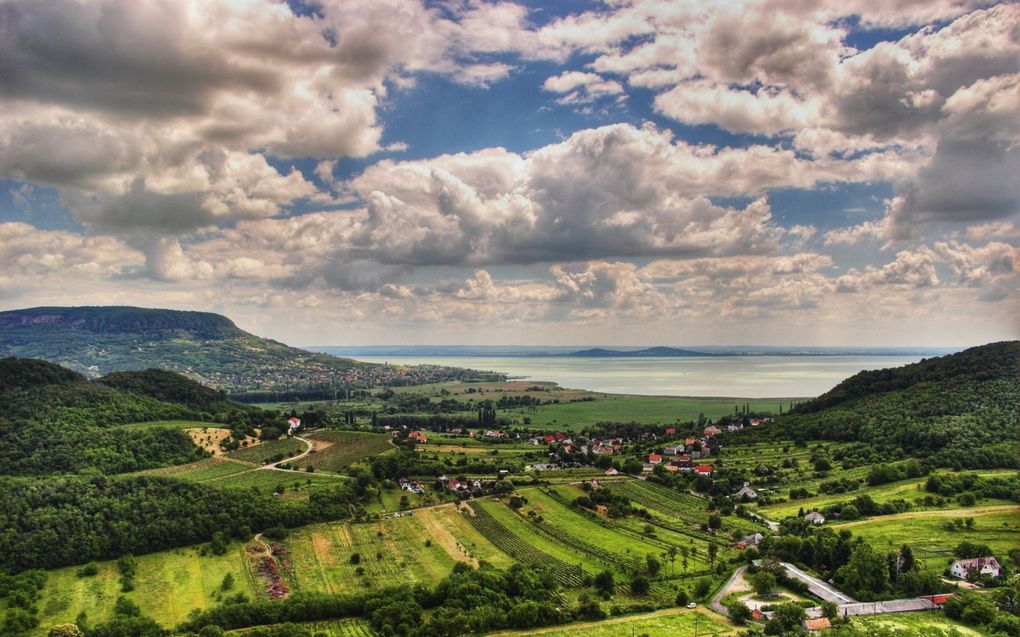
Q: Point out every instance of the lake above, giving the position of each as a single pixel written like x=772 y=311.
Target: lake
x=738 y=376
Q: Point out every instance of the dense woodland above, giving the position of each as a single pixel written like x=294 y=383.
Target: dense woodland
x=56 y=421
x=957 y=411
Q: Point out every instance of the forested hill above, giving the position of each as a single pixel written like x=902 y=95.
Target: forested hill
x=954 y=411
x=978 y=364
x=204 y=346
x=56 y=421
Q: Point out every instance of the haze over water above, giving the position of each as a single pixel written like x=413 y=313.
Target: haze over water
x=739 y=376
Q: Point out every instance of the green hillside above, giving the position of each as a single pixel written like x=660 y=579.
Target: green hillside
x=953 y=411
x=203 y=346
x=55 y=420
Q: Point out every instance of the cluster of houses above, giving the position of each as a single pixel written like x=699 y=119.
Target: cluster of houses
x=411 y=486
x=681 y=457
x=680 y=463
x=455 y=484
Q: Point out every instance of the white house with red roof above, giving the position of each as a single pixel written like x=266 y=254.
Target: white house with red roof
x=983 y=566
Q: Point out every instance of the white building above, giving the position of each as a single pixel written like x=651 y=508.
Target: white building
x=982 y=565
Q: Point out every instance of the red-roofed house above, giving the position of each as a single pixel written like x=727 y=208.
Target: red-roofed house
x=654 y=458
x=981 y=565
x=549 y=438
x=811 y=625
x=670 y=431
x=703 y=470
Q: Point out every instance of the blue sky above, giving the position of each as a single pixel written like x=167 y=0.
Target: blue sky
x=496 y=172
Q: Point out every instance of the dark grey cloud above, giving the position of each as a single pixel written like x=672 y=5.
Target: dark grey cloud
x=134 y=58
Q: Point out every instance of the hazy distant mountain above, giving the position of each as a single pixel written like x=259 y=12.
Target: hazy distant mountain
x=601 y=352
x=527 y=351
x=204 y=346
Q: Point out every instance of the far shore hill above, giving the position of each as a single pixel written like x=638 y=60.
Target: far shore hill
x=661 y=351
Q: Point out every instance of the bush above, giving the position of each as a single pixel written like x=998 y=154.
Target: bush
x=702 y=588
x=640 y=585
x=682 y=598
x=89 y=570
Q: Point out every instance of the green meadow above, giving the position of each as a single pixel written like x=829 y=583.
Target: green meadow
x=670 y=622
x=168 y=585
x=573 y=416
x=996 y=526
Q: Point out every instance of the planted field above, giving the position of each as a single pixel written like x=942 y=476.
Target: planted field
x=624 y=550
x=677 y=506
x=202 y=471
x=996 y=526
x=388 y=552
x=664 y=534
x=269 y=451
x=455 y=533
x=526 y=547
x=167 y=586
x=673 y=621
x=267 y=480
x=343 y=628
x=336 y=450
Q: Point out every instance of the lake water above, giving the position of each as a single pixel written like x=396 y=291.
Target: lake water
x=738 y=376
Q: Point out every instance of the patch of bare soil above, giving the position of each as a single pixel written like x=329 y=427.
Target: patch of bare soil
x=209 y=439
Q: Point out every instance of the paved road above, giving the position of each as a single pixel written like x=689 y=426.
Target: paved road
x=716 y=602
x=818 y=587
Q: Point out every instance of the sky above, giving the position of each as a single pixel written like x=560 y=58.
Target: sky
x=627 y=172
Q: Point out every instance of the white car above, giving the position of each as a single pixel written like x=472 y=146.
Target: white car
x=692 y=605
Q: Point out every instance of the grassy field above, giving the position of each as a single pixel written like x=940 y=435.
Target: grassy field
x=229 y=474
x=578 y=408
x=911 y=490
x=669 y=622
x=335 y=450
x=572 y=416
x=167 y=586
x=996 y=526
x=920 y=624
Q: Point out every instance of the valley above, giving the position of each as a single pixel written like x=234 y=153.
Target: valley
x=400 y=496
